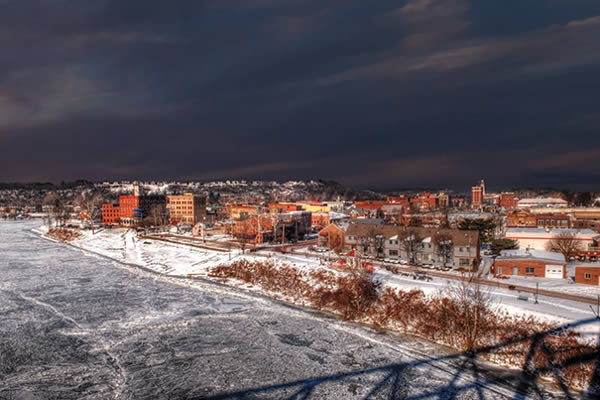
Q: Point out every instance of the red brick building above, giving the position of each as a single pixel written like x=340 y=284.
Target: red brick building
x=588 y=274
x=283 y=207
x=553 y=221
x=127 y=207
x=399 y=200
x=533 y=263
x=370 y=205
x=425 y=201
x=508 y=200
x=255 y=229
x=110 y=214
x=521 y=219
x=476 y=195
x=320 y=220
x=133 y=208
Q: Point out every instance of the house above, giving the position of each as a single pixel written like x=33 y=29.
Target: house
x=588 y=274
x=332 y=236
x=458 y=249
x=530 y=262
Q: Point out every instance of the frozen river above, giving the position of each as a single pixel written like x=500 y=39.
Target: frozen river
x=78 y=326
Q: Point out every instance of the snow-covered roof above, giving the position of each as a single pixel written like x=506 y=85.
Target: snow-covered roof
x=336 y=215
x=427 y=240
x=531 y=253
x=589 y=265
x=542 y=233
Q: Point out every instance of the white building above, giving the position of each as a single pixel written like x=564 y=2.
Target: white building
x=537 y=239
x=541 y=202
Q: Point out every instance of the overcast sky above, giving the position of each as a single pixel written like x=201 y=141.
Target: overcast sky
x=368 y=93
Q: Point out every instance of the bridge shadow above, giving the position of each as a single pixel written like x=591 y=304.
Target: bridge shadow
x=463 y=376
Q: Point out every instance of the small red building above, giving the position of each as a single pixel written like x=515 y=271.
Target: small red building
x=534 y=263
x=588 y=274
x=110 y=214
x=320 y=220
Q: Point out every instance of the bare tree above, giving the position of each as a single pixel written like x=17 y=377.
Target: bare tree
x=374 y=240
x=566 y=243
x=55 y=208
x=244 y=233
x=157 y=216
x=469 y=309
x=411 y=242
x=91 y=206
x=443 y=247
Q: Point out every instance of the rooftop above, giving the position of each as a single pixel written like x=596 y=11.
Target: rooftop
x=531 y=253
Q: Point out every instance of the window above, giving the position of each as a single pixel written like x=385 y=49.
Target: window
x=529 y=270
x=588 y=275
x=393 y=252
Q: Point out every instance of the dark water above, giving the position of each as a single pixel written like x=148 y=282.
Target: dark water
x=76 y=326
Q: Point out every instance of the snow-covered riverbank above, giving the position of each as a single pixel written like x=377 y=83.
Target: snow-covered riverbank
x=81 y=326
x=182 y=260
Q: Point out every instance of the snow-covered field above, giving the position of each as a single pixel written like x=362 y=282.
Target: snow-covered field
x=79 y=326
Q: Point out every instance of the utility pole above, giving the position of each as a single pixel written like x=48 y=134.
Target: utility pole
x=597 y=311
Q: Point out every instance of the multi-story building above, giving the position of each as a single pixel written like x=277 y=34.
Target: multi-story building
x=477 y=193
x=110 y=214
x=188 y=208
x=508 y=200
x=551 y=221
x=521 y=219
x=457 y=249
x=320 y=220
x=241 y=211
x=332 y=236
x=424 y=201
x=134 y=208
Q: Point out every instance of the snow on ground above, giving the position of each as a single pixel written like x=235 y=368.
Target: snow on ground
x=557 y=285
x=181 y=260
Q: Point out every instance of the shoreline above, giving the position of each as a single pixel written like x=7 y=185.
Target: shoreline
x=256 y=293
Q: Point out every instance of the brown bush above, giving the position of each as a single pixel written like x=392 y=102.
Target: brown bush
x=63 y=234
x=461 y=318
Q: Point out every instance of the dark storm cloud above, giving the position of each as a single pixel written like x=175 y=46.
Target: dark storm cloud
x=420 y=92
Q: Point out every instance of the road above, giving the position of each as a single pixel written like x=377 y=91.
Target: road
x=82 y=326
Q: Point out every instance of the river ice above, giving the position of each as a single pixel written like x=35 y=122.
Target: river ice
x=79 y=326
